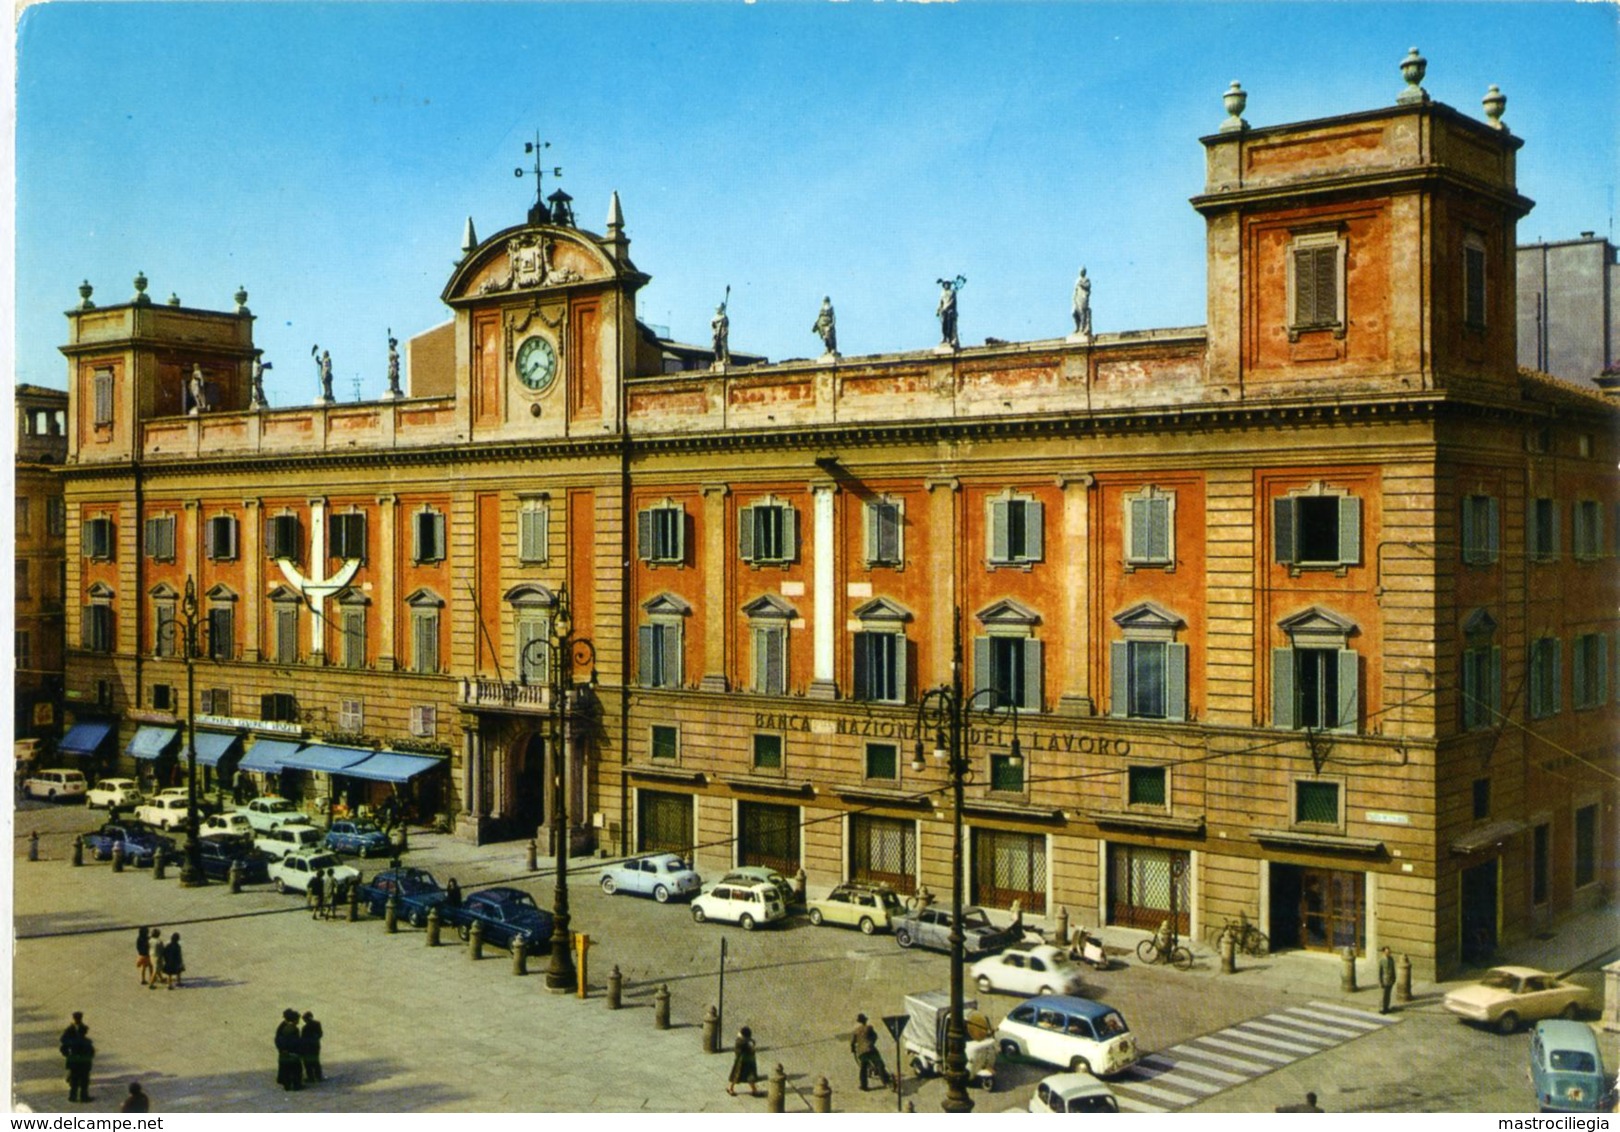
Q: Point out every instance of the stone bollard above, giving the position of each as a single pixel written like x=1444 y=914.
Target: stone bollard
x=1347 y=976
x=821 y=1096
x=33 y=846
x=354 y=903
x=475 y=941
x=118 y=857
x=801 y=881
x=159 y=864
x=711 y=1030
x=433 y=927
x=1228 y=952
x=615 y=987
x=78 y=852
x=1403 y=979
x=661 y=1008
x=520 y=956
x=235 y=877
x=391 y=916
x=1063 y=925
x=776 y=1089
x=404 y=839
x=531 y=860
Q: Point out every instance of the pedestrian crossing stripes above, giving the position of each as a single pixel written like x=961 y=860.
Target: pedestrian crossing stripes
x=1205 y=1066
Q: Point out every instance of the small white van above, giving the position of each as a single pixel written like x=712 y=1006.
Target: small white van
x=55 y=784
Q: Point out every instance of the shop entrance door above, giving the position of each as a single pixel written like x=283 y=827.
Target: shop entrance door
x=1479 y=913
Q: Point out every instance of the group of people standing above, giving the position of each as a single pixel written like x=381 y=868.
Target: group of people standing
x=298 y=1050
x=324 y=894
x=158 y=962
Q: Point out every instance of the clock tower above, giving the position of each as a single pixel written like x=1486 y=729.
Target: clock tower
x=545 y=327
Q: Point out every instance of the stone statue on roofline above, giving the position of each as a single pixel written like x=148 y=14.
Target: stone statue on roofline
x=827 y=327
x=1082 y=306
x=393 y=365
x=720 y=324
x=946 y=312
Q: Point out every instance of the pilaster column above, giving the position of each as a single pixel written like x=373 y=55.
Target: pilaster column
x=1076 y=698
x=192 y=541
x=823 y=684
x=941 y=567
x=387 y=557
x=252 y=530
x=717 y=612
x=317 y=571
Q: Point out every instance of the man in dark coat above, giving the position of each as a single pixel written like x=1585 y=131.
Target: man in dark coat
x=174 y=961
x=863 y=1044
x=1386 y=976
x=314 y=893
x=143 y=955
x=289 y=1065
x=309 y=1047
x=79 y=1052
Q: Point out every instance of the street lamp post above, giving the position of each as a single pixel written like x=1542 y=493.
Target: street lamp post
x=946 y=710
x=567 y=655
x=191 y=873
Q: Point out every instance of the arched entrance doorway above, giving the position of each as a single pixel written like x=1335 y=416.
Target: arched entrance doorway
x=527 y=801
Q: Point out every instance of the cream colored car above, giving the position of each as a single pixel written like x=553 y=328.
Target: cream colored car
x=870 y=907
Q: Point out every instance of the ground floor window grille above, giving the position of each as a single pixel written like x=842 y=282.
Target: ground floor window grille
x=663 y=822
x=768 y=835
x=1141 y=884
x=883 y=851
x=1009 y=866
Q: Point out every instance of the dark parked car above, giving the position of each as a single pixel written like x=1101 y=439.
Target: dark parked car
x=415 y=893
x=218 y=852
x=139 y=843
x=362 y=838
x=505 y=913
x=931 y=927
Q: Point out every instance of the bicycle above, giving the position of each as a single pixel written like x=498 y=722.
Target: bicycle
x=1161 y=949
x=1245 y=936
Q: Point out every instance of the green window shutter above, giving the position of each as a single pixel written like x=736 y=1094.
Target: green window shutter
x=1326 y=268
x=644 y=535
x=673 y=676
x=1282 y=530
x=998 y=530
x=1349 y=690
x=863 y=666
x=1553 y=539
x=1557 y=677
x=790 y=534
x=901 y=688
x=1282 y=688
x=1034 y=532
x=745 y=533
x=1304 y=287
x=678 y=523
x=1471 y=540
x=646 y=650
x=1175 y=682
x=1159 y=530
x=1578 y=671
x=1032 y=676
x=1138 y=513
x=1493 y=529
x=1495 y=674
x=1349 y=530
x=1470 y=711
x=981 y=663
x=874 y=532
x=776 y=661
x=531 y=535
x=1119 y=678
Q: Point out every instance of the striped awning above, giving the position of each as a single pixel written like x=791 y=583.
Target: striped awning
x=266 y=755
x=392 y=766
x=332 y=760
x=212 y=746
x=84 y=738
x=152 y=742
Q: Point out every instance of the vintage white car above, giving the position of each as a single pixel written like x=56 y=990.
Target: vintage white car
x=1073 y=1092
x=1077 y=1033
x=1041 y=969
x=166 y=811
x=292 y=872
x=233 y=822
x=745 y=905
x=869 y=907
x=56 y=783
x=269 y=811
x=1509 y=996
x=284 y=839
x=110 y=792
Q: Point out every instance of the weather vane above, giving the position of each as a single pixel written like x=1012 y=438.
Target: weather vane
x=537 y=148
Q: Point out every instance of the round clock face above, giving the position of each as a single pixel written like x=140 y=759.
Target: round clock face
x=537 y=363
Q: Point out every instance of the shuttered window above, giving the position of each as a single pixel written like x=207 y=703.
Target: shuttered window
x=1015 y=530
x=770 y=660
x=1148 y=680
x=424 y=720
x=166 y=630
x=1317 y=530
x=160 y=538
x=1542 y=534
x=96 y=633
x=98 y=538
x=532 y=532
x=533 y=660
x=346 y=535
x=1011 y=666
x=102 y=385
x=661 y=533
x=221 y=633
x=659 y=655
x=1315 y=689
x=283 y=537
x=1316 y=270
x=1481 y=524
x=1481 y=686
x=880 y=667
x=428 y=543
x=352 y=625
x=1588 y=530
x=1546 y=670
x=285 y=617
x=278 y=707
x=768 y=532
x=1149 y=519
x=884 y=520
x=222 y=537
x=425 y=640
x=1591 y=670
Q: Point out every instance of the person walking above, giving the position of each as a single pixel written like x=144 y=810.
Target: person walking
x=159 y=971
x=137 y=1101
x=143 y=955
x=744 y=1064
x=1386 y=976
x=334 y=892
x=174 y=961
x=313 y=894
x=863 y=1044
x=289 y=1065
x=452 y=893
x=309 y=1047
x=79 y=1052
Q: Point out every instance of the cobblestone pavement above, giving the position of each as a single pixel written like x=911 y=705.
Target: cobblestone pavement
x=413 y=1028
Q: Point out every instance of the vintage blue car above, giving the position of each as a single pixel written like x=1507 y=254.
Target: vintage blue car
x=415 y=894
x=139 y=843
x=218 y=852
x=660 y=876
x=506 y=915
x=362 y=838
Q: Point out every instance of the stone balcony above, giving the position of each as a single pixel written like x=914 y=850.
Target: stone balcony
x=504 y=695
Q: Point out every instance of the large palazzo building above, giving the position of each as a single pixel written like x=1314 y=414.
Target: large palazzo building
x=1304 y=614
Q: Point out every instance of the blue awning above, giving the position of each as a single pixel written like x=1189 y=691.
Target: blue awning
x=332 y=760
x=266 y=755
x=84 y=738
x=212 y=746
x=152 y=742
x=392 y=766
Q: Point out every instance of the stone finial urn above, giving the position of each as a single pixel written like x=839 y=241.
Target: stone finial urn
x=1413 y=68
x=141 y=297
x=174 y=299
x=241 y=298
x=85 y=291
x=1235 y=100
x=1495 y=102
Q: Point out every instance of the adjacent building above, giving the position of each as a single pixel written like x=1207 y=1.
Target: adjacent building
x=1569 y=308
x=40 y=527
x=1305 y=614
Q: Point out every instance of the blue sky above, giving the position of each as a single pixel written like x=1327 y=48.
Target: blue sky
x=326 y=156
